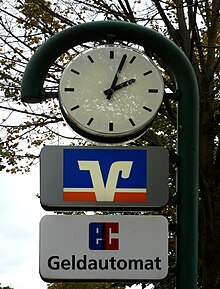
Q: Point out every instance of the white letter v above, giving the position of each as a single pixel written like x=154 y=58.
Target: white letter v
x=106 y=193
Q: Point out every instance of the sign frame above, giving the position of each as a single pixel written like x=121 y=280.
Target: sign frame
x=51 y=179
x=142 y=252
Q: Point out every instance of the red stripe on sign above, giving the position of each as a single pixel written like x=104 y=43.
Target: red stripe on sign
x=79 y=197
x=130 y=197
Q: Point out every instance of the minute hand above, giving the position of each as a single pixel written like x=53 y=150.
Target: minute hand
x=121 y=64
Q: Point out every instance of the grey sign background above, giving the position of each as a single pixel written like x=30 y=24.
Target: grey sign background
x=140 y=237
x=51 y=180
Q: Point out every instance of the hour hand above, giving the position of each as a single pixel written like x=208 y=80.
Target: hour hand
x=108 y=92
x=124 y=84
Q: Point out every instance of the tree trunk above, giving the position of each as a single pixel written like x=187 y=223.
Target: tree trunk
x=210 y=246
x=210 y=197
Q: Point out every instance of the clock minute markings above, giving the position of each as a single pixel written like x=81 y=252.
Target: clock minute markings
x=131 y=121
x=90 y=121
x=75 y=71
x=68 y=89
x=112 y=54
x=75 y=107
x=147 y=72
x=147 y=108
x=90 y=58
x=132 y=59
x=153 y=90
x=111 y=126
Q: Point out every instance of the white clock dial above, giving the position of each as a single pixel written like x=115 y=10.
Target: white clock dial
x=110 y=93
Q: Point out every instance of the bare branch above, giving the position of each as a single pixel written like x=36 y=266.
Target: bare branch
x=32 y=113
x=173 y=32
x=54 y=14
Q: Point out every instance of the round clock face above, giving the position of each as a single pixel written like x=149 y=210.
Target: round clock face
x=110 y=93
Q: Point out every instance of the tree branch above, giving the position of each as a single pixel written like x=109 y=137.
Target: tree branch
x=128 y=12
x=173 y=32
x=212 y=38
x=32 y=113
x=184 y=32
x=54 y=14
x=23 y=126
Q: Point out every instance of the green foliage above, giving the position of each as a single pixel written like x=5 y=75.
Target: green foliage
x=92 y=285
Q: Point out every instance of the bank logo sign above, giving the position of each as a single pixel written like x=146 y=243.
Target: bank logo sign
x=90 y=178
x=105 y=176
x=103 y=248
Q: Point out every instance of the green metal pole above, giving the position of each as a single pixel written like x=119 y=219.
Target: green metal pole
x=187 y=185
x=188 y=118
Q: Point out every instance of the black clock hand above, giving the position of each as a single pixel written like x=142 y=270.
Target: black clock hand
x=119 y=86
x=121 y=64
x=124 y=84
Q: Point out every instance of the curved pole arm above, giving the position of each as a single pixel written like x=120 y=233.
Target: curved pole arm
x=32 y=90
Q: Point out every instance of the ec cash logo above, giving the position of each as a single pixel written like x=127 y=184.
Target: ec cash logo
x=100 y=236
x=105 y=175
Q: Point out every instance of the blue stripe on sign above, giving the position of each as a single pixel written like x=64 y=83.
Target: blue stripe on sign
x=73 y=177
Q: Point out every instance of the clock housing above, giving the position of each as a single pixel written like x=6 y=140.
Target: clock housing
x=111 y=93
